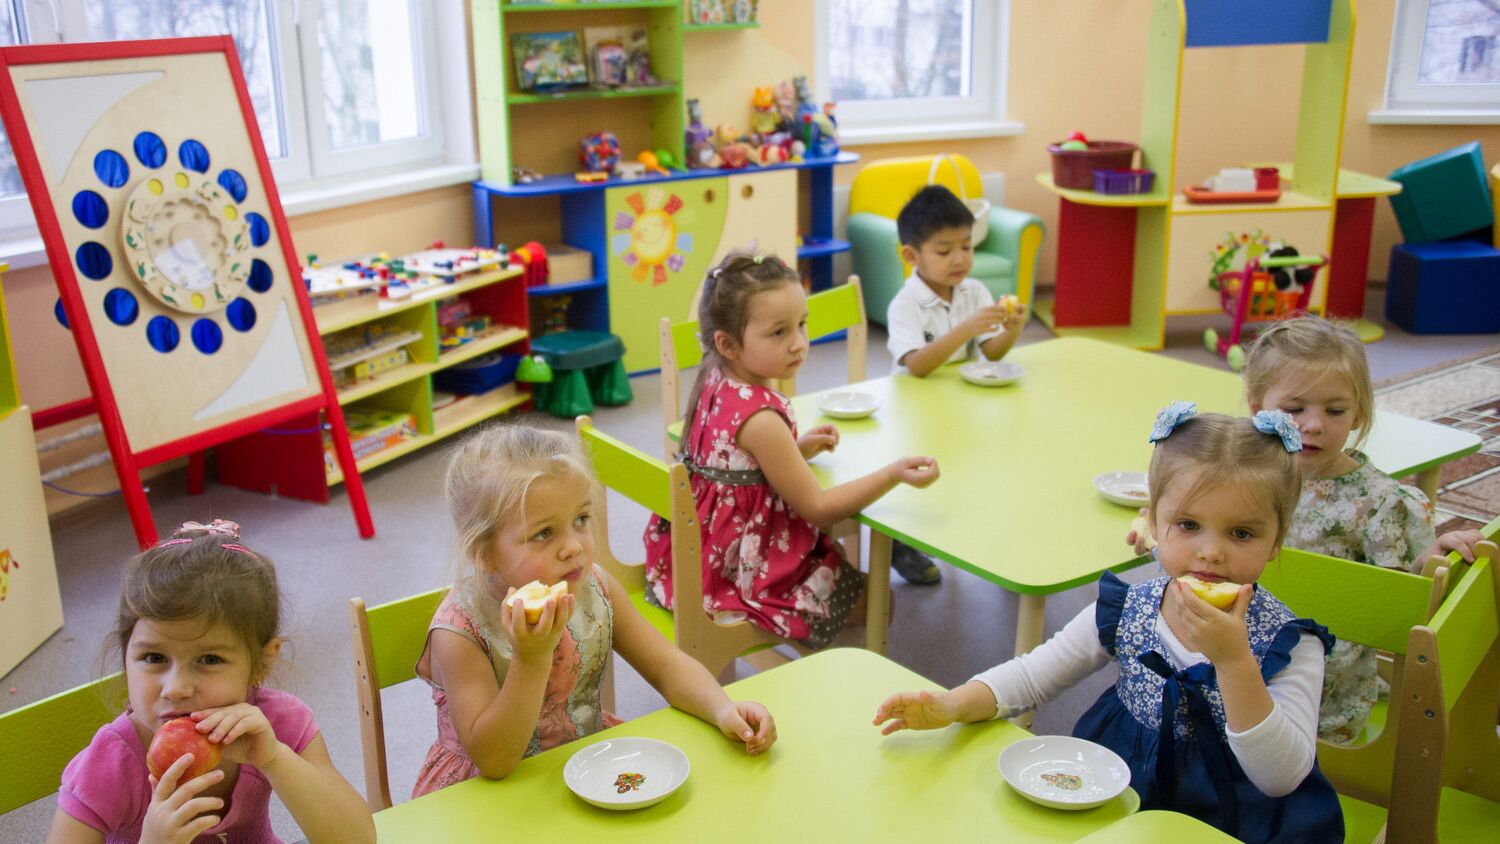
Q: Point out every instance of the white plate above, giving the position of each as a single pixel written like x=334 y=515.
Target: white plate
x=987 y=373
x=592 y=772
x=1128 y=489
x=848 y=405
x=1064 y=772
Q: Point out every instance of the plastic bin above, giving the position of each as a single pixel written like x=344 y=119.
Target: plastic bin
x=1075 y=168
x=1123 y=181
x=479 y=375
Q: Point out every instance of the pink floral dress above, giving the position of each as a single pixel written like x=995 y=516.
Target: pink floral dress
x=761 y=561
x=570 y=706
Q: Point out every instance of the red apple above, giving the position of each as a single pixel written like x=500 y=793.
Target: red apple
x=1075 y=135
x=176 y=737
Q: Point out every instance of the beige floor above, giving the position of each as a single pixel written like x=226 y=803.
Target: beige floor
x=946 y=632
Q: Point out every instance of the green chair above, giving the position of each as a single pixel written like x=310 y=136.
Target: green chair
x=38 y=740
x=586 y=369
x=1371 y=606
x=1472 y=754
x=839 y=308
x=666 y=492
x=1005 y=262
x=1445 y=658
x=388 y=641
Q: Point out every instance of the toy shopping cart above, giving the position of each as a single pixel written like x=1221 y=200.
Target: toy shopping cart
x=1266 y=289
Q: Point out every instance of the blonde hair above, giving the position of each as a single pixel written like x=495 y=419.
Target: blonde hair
x=1229 y=450
x=1308 y=347
x=490 y=474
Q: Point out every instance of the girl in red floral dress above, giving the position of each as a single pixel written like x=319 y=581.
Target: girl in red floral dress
x=766 y=557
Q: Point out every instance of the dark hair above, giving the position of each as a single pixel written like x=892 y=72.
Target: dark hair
x=932 y=210
x=202 y=574
x=724 y=307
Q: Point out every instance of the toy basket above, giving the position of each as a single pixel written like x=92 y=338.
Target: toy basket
x=1075 y=168
x=1123 y=181
x=479 y=375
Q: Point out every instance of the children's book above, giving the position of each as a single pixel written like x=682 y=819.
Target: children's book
x=621 y=55
x=548 y=60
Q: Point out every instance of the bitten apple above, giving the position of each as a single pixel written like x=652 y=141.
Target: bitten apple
x=1221 y=594
x=1142 y=529
x=534 y=596
x=1011 y=303
x=172 y=740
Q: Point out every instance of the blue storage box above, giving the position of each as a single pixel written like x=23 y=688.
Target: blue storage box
x=1444 y=288
x=479 y=375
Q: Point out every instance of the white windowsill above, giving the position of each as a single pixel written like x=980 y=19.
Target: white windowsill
x=23 y=247
x=1446 y=116
x=931 y=132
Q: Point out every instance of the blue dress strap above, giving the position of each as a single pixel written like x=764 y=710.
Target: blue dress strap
x=1279 y=654
x=1111 y=604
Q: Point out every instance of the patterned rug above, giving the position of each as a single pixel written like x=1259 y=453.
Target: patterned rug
x=1464 y=395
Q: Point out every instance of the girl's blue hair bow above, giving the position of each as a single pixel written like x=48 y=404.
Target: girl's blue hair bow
x=1277 y=422
x=1170 y=417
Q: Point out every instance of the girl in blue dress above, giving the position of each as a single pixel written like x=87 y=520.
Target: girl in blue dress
x=1215 y=711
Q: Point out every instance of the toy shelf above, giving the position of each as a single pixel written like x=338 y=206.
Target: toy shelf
x=720 y=27
x=1290 y=201
x=513 y=8
x=563 y=183
x=407 y=372
x=336 y=316
x=593 y=94
x=446 y=421
x=1088 y=197
x=570 y=287
x=819 y=248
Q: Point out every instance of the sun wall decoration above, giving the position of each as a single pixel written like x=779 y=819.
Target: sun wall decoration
x=648 y=240
x=173 y=261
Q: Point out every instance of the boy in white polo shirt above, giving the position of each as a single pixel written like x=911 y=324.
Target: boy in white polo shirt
x=941 y=315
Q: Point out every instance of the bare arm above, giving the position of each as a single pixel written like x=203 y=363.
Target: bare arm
x=321 y=801
x=935 y=354
x=67 y=829
x=996 y=347
x=768 y=439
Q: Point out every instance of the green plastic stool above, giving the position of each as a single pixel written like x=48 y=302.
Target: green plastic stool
x=586 y=369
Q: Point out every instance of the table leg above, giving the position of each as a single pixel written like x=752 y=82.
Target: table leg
x=878 y=592
x=1427 y=481
x=1032 y=612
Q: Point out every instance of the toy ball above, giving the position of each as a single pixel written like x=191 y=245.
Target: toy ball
x=599 y=152
x=1077 y=136
x=1073 y=146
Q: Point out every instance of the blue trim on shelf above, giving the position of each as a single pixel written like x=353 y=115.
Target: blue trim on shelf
x=569 y=287
x=564 y=183
x=816 y=249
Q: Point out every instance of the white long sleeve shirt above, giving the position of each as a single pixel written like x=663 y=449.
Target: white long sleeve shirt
x=1276 y=754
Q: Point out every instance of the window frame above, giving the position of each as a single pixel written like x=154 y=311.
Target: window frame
x=1406 y=101
x=311 y=175
x=981 y=114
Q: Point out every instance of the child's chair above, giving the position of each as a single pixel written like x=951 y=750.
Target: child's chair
x=666 y=492
x=388 y=641
x=38 y=740
x=839 y=308
x=1005 y=261
x=1375 y=607
x=1446 y=660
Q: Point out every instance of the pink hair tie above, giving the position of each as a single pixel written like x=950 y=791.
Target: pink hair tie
x=170 y=542
x=234 y=547
x=221 y=527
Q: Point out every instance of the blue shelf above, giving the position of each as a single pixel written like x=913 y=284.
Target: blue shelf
x=562 y=183
x=570 y=287
x=819 y=248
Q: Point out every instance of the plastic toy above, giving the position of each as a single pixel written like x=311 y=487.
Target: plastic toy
x=1274 y=283
x=765 y=121
x=1072 y=145
x=665 y=158
x=700 y=148
x=524 y=175
x=736 y=156
x=630 y=170
x=651 y=162
x=599 y=152
x=533 y=259
x=590 y=176
x=1076 y=135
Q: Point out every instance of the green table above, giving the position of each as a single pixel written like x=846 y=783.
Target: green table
x=830 y=777
x=1015 y=504
x=1155 y=826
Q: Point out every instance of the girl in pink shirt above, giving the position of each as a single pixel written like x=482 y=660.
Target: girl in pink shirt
x=198 y=631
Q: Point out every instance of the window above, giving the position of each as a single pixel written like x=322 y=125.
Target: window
x=1444 y=66
x=340 y=88
x=912 y=69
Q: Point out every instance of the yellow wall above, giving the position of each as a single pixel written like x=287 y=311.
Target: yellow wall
x=1074 y=65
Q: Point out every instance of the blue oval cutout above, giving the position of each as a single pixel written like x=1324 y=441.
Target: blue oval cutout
x=111 y=168
x=150 y=149
x=207 y=336
x=232 y=181
x=62 y=315
x=260 y=230
x=121 y=307
x=162 y=334
x=94 y=260
x=260 y=276
x=90 y=209
x=193 y=155
x=241 y=314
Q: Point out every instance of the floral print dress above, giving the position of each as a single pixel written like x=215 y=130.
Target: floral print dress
x=1369 y=517
x=571 y=706
x=761 y=561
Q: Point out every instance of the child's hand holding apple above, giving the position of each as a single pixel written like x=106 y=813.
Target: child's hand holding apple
x=242 y=733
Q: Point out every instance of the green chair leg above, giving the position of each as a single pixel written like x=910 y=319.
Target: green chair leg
x=609 y=384
x=567 y=396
